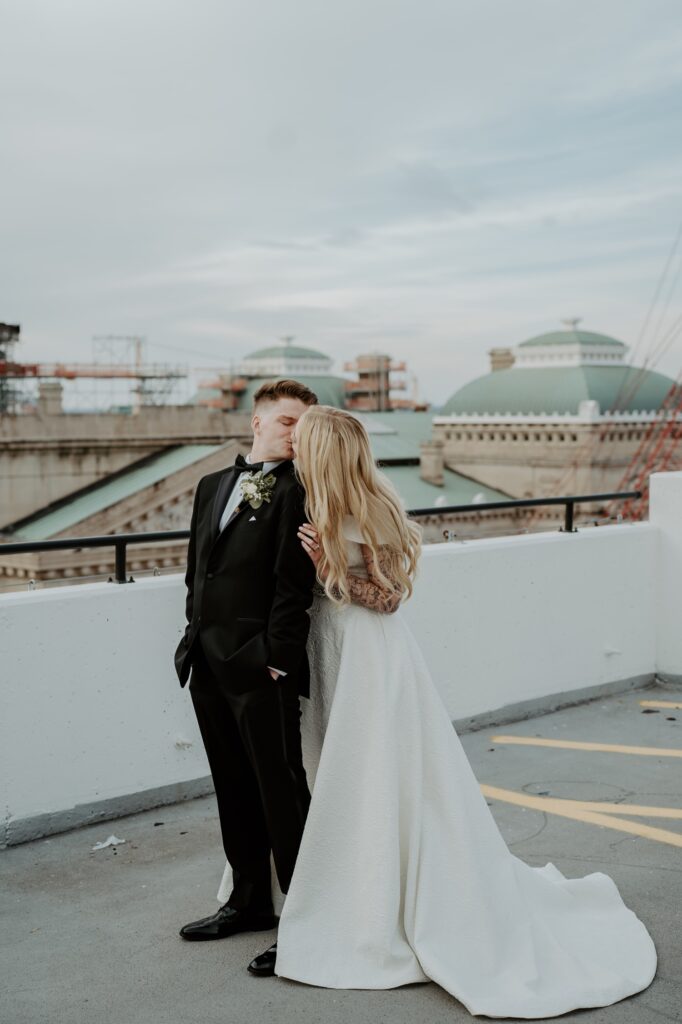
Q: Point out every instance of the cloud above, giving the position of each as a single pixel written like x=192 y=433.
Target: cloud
x=433 y=179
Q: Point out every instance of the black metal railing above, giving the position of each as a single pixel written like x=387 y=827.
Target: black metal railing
x=569 y=502
x=120 y=541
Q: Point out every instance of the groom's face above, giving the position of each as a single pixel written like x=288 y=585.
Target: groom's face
x=273 y=424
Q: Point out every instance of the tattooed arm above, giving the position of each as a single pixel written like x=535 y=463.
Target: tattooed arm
x=370 y=592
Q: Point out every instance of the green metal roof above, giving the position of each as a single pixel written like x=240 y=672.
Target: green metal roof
x=418 y=493
x=287 y=351
x=95 y=499
x=396 y=435
x=537 y=390
x=572 y=338
x=404 y=421
x=391 y=446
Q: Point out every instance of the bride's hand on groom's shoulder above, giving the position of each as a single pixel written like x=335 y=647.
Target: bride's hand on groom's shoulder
x=310 y=542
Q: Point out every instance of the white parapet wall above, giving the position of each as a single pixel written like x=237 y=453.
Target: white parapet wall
x=95 y=724
x=537 y=620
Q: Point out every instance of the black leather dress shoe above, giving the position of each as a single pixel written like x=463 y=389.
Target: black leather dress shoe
x=227 y=921
x=264 y=964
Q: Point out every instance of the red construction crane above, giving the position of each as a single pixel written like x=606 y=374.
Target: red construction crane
x=70 y=371
x=659 y=450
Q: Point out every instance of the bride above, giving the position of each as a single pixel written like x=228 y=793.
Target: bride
x=402 y=875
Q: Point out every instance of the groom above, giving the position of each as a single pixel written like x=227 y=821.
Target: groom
x=249 y=585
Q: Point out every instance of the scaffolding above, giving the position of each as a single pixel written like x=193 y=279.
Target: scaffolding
x=153 y=381
x=9 y=336
x=371 y=389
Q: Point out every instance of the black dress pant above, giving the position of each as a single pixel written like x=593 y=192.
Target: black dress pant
x=253 y=744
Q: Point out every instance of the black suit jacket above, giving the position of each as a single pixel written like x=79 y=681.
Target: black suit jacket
x=249 y=586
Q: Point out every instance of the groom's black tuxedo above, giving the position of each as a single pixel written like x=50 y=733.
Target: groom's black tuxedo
x=249 y=588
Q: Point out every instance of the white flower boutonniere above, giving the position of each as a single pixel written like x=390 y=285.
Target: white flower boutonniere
x=257 y=488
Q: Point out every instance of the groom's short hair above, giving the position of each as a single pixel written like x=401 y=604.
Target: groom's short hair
x=274 y=389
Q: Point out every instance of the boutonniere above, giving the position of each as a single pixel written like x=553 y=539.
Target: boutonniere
x=257 y=488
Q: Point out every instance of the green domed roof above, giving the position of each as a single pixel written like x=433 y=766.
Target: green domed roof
x=536 y=390
x=572 y=338
x=287 y=352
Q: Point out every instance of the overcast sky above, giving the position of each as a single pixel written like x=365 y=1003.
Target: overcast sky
x=430 y=178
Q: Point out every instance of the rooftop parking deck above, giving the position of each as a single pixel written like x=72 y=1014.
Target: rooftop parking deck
x=91 y=937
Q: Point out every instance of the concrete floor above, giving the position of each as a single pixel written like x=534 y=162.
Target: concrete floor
x=91 y=936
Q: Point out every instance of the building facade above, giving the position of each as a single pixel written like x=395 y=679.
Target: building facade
x=560 y=413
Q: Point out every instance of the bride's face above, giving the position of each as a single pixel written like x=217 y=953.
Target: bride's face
x=294 y=440
x=295 y=445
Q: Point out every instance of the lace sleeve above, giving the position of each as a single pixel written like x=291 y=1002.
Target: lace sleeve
x=370 y=592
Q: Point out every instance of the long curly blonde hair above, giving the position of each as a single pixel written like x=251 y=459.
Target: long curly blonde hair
x=335 y=466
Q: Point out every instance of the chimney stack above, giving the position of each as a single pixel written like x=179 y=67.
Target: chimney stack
x=50 y=397
x=431 y=462
x=501 y=358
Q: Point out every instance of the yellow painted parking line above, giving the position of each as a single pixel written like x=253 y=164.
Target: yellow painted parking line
x=594 y=813
x=641 y=810
x=608 y=748
x=661 y=703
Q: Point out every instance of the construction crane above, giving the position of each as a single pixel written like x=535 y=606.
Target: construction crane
x=659 y=446
x=13 y=370
x=72 y=371
x=659 y=450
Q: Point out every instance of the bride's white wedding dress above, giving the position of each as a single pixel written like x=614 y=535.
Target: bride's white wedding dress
x=402 y=874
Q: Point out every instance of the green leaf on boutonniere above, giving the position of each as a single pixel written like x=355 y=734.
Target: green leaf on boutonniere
x=257 y=488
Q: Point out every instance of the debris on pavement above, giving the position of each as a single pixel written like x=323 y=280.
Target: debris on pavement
x=111 y=841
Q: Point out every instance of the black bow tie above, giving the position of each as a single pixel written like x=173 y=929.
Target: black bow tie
x=242 y=466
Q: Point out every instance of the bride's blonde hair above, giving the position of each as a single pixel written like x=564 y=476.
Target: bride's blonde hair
x=335 y=465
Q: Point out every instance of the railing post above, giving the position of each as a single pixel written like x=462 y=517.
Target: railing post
x=568 y=519
x=120 y=547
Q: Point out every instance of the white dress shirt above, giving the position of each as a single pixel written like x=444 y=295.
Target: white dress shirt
x=233 y=501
